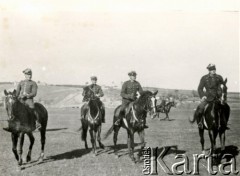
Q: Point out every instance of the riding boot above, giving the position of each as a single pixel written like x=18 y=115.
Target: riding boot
x=199 y=116
x=38 y=124
x=103 y=115
x=145 y=125
x=10 y=126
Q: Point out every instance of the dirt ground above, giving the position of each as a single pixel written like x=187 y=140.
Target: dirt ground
x=65 y=153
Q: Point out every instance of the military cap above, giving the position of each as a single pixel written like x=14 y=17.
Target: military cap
x=93 y=78
x=211 y=67
x=132 y=73
x=27 y=71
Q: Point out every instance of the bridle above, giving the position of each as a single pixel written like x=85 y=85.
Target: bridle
x=10 y=99
x=224 y=93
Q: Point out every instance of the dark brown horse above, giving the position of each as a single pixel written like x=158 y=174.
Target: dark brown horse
x=92 y=120
x=133 y=119
x=21 y=122
x=164 y=108
x=215 y=118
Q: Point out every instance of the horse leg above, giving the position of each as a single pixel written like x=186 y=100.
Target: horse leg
x=131 y=145
x=99 y=137
x=115 y=135
x=201 y=134
x=167 y=116
x=212 y=139
x=20 y=146
x=32 y=139
x=93 y=140
x=43 y=140
x=84 y=133
x=222 y=140
x=142 y=140
x=14 y=145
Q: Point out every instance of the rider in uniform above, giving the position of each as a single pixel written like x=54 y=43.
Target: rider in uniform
x=129 y=93
x=212 y=84
x=97 y=90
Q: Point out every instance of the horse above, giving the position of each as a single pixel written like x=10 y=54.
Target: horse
x=21 y=122
x=215 y=118
x=92 y=120
x=165 y=108
x=133 y=119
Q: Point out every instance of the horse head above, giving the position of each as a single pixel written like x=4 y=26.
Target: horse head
x=10 y=99
x=224 y=92
x=148 y=100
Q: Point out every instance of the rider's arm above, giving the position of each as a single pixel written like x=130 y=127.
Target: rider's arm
x=140 y=88
x=100 y=92
x=34 y=91
x=123 y=91
x=18 y=89
x=200 y=88
x=84 y=92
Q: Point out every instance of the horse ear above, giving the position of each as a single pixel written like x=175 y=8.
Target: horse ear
x=155 y=93
x=14 y=92
x=5 y=92
x=225 y=81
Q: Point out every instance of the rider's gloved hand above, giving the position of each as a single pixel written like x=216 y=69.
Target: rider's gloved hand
x=203 y=98
x=133 y=96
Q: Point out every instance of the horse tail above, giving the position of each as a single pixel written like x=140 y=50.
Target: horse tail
x=43 y=114
x=84 y=134
x=108 y=132
x=194 y=119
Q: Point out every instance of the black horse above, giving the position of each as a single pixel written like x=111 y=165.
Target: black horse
x=215 y=118
x=21 y=122
x=93 y=120
x=133 y=119
x=165 y=108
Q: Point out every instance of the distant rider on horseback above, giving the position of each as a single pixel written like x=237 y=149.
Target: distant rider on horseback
x=212 y=85
x=97 y=91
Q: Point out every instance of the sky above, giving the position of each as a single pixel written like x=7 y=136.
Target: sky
x=168 y=43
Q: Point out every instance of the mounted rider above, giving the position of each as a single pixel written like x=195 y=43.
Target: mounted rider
x=97 y=91
x=212 y=85
x=129 y=93
x=26 y=91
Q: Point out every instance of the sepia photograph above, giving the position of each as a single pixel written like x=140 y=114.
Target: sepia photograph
x=119 y=88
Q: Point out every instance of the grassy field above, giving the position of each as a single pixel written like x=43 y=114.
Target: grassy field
x=65 y=153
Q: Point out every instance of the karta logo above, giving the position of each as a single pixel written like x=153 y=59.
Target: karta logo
x=153 y=161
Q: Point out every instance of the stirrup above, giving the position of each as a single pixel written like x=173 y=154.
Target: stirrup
x=200 y=125
x=117 y=122
x=38 y=126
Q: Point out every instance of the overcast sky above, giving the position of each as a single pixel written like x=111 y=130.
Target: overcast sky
x=168 y=44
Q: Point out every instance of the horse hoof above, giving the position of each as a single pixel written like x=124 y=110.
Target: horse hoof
x=20 y=163
x=28 y=159
x=116 y=156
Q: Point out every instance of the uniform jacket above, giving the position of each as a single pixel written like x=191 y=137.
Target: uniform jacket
x=96 y=89
x=129 y=91
x=212 y=86
x=27 y=87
